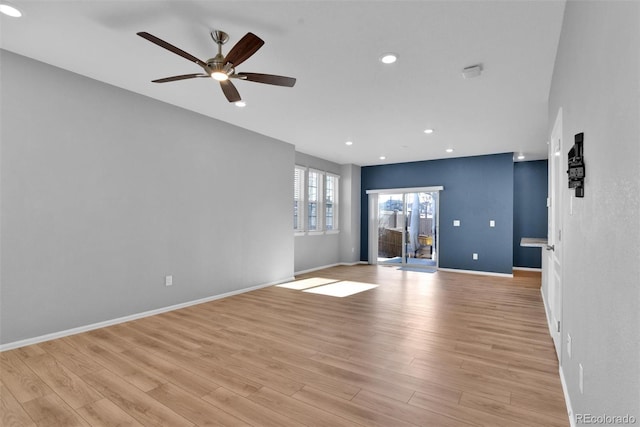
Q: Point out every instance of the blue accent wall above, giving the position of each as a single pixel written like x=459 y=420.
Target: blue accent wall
x=529 y=210
x=476 y=190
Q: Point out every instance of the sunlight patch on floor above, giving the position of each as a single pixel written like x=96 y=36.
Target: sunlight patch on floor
x=342 y=289
x=306 y=283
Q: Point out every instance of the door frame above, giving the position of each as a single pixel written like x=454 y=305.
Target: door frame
x=554 y=249
x=372 y=253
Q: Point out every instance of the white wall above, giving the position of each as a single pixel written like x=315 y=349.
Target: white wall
x=596 y=83
x=104 y=192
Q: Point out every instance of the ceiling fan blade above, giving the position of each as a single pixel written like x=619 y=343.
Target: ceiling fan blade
x=180 y=77
x=247 y=46
x=172 y=48
x=230 y=91
x=268 y=79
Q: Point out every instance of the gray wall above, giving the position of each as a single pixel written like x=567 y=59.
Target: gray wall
x=350 y=213
x=596 y=83
x=104 y=192
x=319 y=250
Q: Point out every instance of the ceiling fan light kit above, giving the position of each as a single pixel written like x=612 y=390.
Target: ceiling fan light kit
x=223 y=68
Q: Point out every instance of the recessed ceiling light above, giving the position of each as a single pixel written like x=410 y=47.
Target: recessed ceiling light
x=382 y=157
x=349 y=143
x=428 y=131
x=241 y=104
x=10 y=10
x=520 y=156
x=388 y=58
x=449 y=150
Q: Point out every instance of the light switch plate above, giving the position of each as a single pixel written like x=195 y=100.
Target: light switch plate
x=456 y=223
x=168 y=280
x=492 y=223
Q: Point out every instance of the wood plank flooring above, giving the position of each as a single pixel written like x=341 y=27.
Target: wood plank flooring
x=442 y=349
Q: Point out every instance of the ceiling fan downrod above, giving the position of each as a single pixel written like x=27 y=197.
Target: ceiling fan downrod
x=220 y=69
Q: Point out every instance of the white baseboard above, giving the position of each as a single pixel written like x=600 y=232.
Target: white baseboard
x=481 y=273
x=103 y=324
x=322 y=267
x=295 y=273
x=527 y=269
x=565 y=390
x=567 y=400
x=351 y=264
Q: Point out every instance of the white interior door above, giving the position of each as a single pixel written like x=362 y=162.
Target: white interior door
x=554 y=232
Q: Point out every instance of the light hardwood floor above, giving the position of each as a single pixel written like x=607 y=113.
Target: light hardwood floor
x=421 y=349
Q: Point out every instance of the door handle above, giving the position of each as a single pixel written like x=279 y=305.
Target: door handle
x=551 y=247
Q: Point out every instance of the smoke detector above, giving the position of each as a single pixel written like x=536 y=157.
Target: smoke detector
x=472 y=71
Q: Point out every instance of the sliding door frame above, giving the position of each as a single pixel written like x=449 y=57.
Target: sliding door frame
x=372 y=250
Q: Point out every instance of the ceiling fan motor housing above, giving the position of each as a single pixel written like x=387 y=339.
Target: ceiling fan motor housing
x=217 y=63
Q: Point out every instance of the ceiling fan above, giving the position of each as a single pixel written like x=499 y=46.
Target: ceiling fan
x=221 y=67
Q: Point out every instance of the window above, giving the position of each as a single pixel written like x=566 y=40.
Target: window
x=298 y=198
x=331 y=202
x=315 y=201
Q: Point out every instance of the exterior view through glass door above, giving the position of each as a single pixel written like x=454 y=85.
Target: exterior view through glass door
x=407 y=229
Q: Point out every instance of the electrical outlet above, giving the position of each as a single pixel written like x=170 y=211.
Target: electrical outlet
x=569 y=345
x=456 y=223
x=581 y=378
x=168 y=280
x=492 y=223
x=475 y=257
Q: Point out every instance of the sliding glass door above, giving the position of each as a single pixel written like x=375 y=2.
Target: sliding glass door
x=391 y=223
x=421 y=230
x=403 y=227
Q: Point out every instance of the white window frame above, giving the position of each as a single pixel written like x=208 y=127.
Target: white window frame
x=318 y=200
x=301 y=228
x=335 y=204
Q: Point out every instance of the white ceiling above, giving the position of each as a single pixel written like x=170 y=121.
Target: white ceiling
x=343 y=92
